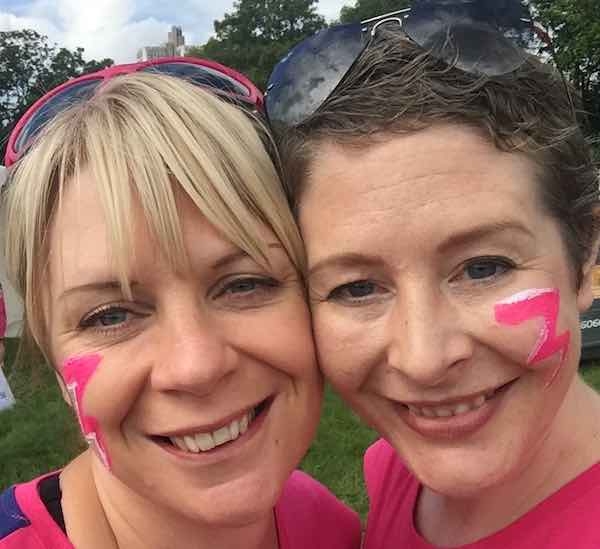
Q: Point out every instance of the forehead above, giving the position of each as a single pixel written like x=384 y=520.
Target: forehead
x=82 y=240
x=422 y=185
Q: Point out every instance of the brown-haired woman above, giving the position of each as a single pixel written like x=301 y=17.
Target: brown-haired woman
x=449 y=212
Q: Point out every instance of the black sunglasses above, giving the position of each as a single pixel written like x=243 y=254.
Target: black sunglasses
x=484 y=37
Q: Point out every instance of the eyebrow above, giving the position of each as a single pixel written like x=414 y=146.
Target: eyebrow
x=239 y=255
x=463 y=238
x=103 y=286
x=346 y=260
x=115 y=285
x=483 y=232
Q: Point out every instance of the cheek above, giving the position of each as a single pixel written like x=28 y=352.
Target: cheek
x=77 y=373
x=282 y=339
x=345 y=349
x=534 y=314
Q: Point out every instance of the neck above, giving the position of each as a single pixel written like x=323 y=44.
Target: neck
x=571 y=446
x=114 y=517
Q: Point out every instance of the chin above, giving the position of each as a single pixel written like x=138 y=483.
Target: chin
x=231 y=508
x=463 y=476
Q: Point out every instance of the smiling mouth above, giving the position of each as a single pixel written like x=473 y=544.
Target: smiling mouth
x=198 y=442
x=458 y=407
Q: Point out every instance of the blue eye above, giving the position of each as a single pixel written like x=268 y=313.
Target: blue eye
x=486 y=268
x=361 y=288
x=483 y=270
x=357 y=292
x=248 y=291
x=111 y=316
x=243 y=285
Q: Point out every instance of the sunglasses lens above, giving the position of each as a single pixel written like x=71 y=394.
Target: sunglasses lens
x=476 y=37
x=308 y=74
x=57 y=103
x=201 y=76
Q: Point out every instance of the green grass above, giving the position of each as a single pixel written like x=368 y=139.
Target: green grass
x=335 y=458
x=40 y=434
x=591 y=374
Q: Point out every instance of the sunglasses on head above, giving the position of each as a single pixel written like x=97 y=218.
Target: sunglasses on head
x=481 y=37
x=206 y=74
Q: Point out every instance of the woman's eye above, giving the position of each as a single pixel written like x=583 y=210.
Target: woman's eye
x=482 y=269
x=358 y=291
x=107 y=318
x=244 y=285
x=248 y=290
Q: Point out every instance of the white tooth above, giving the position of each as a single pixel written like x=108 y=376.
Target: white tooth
x=428 y=412
x=191 y=444
x=441 y=411
x=479 y=401
x=205 y=441
x=414 y=410
x=234 y=429
x=222 y=435
x=178 y=441
x=462 y=408
x=244 y=424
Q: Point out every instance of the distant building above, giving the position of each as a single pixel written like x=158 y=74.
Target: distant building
x=174 y=46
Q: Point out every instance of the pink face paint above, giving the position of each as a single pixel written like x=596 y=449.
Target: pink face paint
x=77 y=372
x=537 y=303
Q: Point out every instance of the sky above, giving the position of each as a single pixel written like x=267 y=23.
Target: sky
x=118 y=28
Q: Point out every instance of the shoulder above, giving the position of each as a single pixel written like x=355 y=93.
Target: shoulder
x=383 y=468
x=392 y=491
x=24 y=521
x=313 y=517
x=12 y=517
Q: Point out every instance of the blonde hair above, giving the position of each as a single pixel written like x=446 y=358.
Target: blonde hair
x=150 y=131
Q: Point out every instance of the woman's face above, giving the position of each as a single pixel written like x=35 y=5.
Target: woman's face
x=443 y=301
x=201 y=393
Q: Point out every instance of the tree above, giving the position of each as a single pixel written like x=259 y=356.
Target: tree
x=257 y=33
x=29 y=67
x=575 y=29
x=365 y=9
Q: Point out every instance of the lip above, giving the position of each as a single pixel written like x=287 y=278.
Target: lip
x=229 y=450
x=454 y=427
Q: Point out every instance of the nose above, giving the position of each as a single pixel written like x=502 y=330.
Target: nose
x=194 y=354
x=427 y=339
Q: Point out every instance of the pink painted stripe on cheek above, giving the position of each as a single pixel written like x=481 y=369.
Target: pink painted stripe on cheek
x=77 y=372
x=537 y=303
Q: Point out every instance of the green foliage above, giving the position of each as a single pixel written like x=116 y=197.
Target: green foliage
x=195 y=51
x=575 y=26
x=365 y=9
x=29 y=67
x=257 y=33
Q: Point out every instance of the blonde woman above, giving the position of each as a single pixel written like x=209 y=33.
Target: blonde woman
x=148 y=235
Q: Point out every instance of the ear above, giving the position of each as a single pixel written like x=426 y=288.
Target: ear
x=590 y=278
x=63 y=389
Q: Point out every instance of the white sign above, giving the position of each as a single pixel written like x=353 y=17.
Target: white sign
x=7 y=400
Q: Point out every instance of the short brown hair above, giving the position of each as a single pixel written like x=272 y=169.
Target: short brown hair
x=396 y=87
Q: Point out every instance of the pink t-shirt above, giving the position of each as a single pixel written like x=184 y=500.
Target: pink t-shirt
x=308 y=517
x=566 y=520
